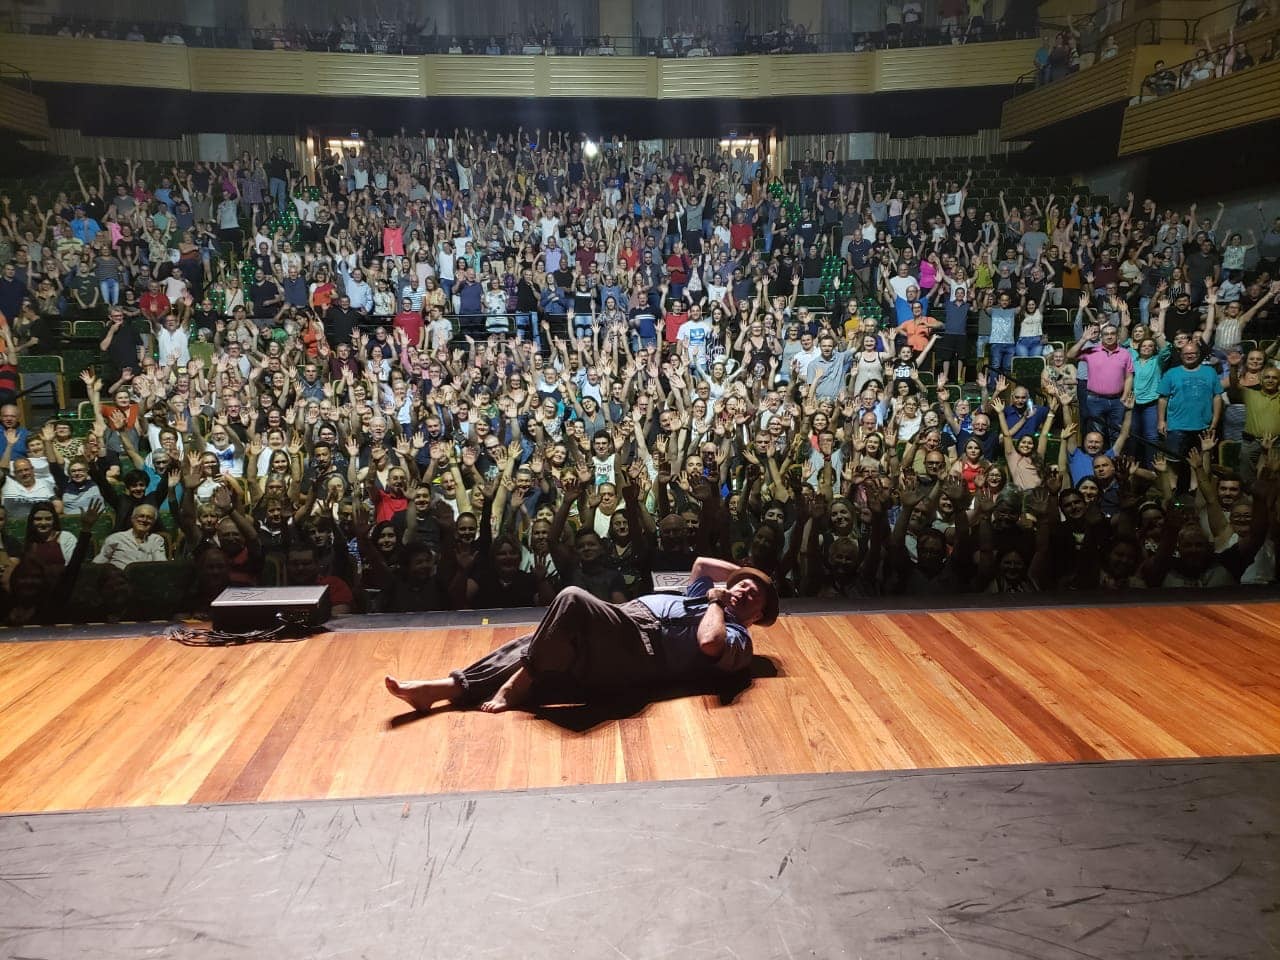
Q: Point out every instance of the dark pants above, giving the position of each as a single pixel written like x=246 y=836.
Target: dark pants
x=1001 y=362
x=1145 y=439
x=582 y=643
x=1176 y=445
x=1104 y=414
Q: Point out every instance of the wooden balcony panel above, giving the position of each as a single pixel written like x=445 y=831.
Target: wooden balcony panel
x=818 y=74
x=252 y=71
x=1214 y=106
x=972 y=65
x=22 y=113
x=99 y=62
x=369 y=75
x=1087 y=90
x=454 y=75
x=612 y=77
x=709 y=78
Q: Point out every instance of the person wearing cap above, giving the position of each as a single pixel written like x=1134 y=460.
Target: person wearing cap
x=593 y=646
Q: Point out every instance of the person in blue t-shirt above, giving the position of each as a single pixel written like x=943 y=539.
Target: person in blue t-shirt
x=593 y=646
x=954 y=344
x=1190 y=403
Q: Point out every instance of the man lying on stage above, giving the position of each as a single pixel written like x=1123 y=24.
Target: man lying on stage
x=596 y=646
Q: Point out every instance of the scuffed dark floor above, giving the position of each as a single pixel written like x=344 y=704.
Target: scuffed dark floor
x=1110 y=861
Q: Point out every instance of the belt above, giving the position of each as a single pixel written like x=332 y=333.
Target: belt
x=1104 y=396
x=1250 y=437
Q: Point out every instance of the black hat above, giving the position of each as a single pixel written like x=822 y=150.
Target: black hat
x=770 y=614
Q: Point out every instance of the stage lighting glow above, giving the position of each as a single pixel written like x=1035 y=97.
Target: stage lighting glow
x=590 y=149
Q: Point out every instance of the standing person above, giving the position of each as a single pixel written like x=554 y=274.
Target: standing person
x=1111 y=373
x=1262 y=417
x=1001 y=339
x=278 y=177
x=1190 y=405
x=595 y=646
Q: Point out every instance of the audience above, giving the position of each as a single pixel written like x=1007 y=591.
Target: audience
x=903 y=24
x=468 y=369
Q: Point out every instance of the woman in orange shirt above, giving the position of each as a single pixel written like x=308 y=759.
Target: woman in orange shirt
x=322 y=291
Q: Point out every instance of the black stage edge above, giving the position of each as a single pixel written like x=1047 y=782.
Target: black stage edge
x=796 y=608
x=1104 y=861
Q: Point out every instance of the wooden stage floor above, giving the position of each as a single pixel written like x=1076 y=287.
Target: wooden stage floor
x=107 y=723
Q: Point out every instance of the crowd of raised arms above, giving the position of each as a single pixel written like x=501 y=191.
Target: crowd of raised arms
x=467 y=370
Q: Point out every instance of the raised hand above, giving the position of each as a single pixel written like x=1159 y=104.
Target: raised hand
x=90 y=515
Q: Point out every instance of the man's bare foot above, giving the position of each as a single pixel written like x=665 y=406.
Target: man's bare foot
x=513 y=693
x=423 y=694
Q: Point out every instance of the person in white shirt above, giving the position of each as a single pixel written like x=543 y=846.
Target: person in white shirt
x=695 y=334
x=22 y=489
x=439 y=330
x=953 y=199
x=902 y=281
x=138 y=544
x=550 y=227
x=173 y=342
x=804 y=357
x=445 y=262
x=306 y=209
x=175 y=287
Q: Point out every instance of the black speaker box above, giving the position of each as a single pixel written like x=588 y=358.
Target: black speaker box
x=240 y=609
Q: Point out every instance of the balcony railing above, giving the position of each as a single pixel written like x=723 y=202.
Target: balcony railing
x=413 y=40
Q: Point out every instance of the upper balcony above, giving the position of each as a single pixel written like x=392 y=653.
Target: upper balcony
x=67 y=60
x=1204 y=108
x=1113 y=81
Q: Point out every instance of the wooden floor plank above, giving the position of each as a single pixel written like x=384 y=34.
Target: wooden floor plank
x=146 y=721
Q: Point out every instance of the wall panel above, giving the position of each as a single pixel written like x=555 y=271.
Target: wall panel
x=347 y=75
x=709 y=77
x=1213 y=107
x=23 y=113
x=249 y=71
x=817 y=74
x=624 y=77
x=971 y=65
x=462 y=76
x=105 y=62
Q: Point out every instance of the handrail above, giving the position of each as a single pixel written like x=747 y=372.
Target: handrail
x=1213 y=13
x=1177 y=77
x=8 y=70
x=1153 y=22
x=49 y=385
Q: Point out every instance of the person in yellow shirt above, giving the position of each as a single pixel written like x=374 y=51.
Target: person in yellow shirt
x=1261 y=417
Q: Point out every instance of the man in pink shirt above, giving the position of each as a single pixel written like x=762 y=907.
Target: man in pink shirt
x=1110 y=379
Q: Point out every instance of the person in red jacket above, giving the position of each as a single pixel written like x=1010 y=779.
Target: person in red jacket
x=154 y=304
x=678 y=267
x=740 y=234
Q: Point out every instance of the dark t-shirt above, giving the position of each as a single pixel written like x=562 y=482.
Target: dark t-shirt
x=520 y=591
x=123 y=349
x=1177 y=321
x=402 y=596
x=602 y=583
x=278 y=168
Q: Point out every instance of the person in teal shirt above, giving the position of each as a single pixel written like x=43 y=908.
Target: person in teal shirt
x=1190 y=403
x=1148 y=371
